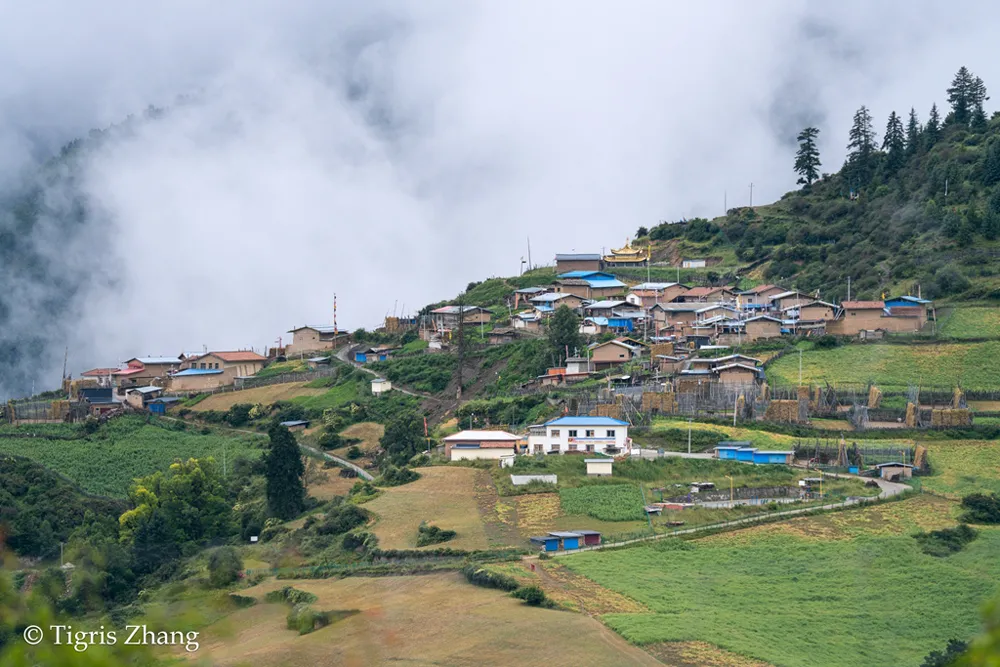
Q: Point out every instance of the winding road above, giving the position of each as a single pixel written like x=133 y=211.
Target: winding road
x=344 y=354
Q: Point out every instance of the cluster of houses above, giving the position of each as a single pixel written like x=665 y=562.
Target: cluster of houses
x=721 y=314
x=143 y=382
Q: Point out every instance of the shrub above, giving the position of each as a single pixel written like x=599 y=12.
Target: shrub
x=330 y=440
x=341 y=519
x=224 y=566
x=478 y=576
x=393 y=476
x=238 y=415
x=242 y=601
x=290 y=595
x=941 y=543
x=427 y=535
x=354 y=453
x=533 y=595
x=981 y=508
x=826 y=342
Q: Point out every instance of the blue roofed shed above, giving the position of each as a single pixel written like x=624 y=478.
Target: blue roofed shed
x=745 y=454
x=727 y=453
x=773 y=457
x=567 y=539
x=546 y=543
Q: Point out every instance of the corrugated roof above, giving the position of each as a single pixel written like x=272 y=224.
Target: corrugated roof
x=98 y=372
x=531 y=290
x=239 y=355
x=604 y=282
x=481 y=435
x=587 y=274
x=550 y=296
x=188 y=372
x=608 y=303
x=577 y=257
x=705 y=291
x=759 y=288
x=156 y=360
x=864 y=305
x=586 y=421
x=146 y=390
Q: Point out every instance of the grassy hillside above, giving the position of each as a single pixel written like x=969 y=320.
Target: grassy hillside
x=106 y=462
x=973 y=365
x=817 y=594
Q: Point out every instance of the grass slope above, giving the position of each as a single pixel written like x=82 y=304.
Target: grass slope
x=445 y=497
x=107 y=462
x=420 y=620
x=793 y=600
x=961 y=467
x=972 y=322
x=285 y=391
x=974 y=365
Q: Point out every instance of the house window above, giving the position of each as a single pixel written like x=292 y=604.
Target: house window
x=590 y=448
x=589 y=434
x=216 y=366
x=610 y=433
x=572 y=433
x=555 y=433
x=203 y=366
x=538 y=449
x=572 y=448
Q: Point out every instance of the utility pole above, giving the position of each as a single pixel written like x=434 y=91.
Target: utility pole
x=689 y=434
x=65 y=361
x=848 y=288
x=529 y=253
x=751 y=195
x=461 y=341
x=800 y=366
x=725 y=202
x=61 y=544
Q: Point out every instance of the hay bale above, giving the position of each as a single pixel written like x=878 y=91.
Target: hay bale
x=911 y=415
x=958 y=398
x=782 y=411
x=874 y=397
x=804 y=392
x=919 y=456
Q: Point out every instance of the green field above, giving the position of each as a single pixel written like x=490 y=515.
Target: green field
x=799 y=602
x=107 y=462
x=608 y=502
x=974 y=365
x=972 y=322
x=961 y=467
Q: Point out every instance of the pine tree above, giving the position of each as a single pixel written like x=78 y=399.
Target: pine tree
x=283 y=470
x=960 y=97
x=912 y=133
x=978 y=96
x=807 y=158
x=861 y=156
x=932 y=130
x=991 y=165
x=894 y=143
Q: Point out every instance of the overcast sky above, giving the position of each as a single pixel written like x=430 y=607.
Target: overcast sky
x=391 y=152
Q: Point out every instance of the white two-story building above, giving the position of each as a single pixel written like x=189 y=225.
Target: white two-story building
x=595 y=435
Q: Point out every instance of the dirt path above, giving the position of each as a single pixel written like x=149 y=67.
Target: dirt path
x=344 y=355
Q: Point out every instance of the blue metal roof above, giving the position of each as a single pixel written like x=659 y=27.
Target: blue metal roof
x=593 y=275
x=586 y=421
x=196 y=371
x=604 y=282
x=296 y=422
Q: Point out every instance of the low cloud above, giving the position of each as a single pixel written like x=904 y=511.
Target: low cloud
x=390 y=154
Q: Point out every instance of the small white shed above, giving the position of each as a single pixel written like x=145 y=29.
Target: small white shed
x=599 y=467
x=380 y=386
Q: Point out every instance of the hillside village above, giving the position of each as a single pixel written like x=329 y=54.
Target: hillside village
x=710 y=446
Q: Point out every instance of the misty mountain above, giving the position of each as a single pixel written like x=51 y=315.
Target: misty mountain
x=928 y=216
